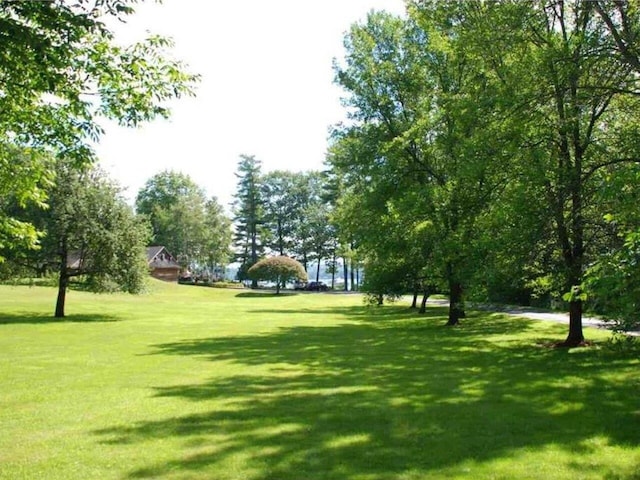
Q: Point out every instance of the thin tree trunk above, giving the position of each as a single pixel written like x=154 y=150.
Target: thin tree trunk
x=318 y=269
x=63 y=280
x=414 y=303
x=380 y=299
x=353 y=276
x=254 y=252
x=425 y=297
x=345 y=271
x=333 y=268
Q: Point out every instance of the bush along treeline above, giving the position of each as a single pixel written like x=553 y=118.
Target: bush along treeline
x=492 y=153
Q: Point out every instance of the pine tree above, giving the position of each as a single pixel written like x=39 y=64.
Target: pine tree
x=248 y=216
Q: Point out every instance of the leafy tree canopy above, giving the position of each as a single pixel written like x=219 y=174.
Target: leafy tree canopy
x=195 y=230
x=89 y=232
x=61 y=71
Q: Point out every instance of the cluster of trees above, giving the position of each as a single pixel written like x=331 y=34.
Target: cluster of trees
x=88 y=230
x=61 y=73
x=193 y=228
x=492 y=152
x=287 y=214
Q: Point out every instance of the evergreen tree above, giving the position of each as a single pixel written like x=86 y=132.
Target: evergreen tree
x=248 y=216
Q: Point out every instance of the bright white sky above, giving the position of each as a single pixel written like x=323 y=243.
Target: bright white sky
x=267 y=89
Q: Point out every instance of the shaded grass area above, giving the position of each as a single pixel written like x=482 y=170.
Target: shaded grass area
x=26 y=317
x=203 y=383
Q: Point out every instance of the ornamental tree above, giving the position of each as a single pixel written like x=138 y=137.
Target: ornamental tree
x=279 y=269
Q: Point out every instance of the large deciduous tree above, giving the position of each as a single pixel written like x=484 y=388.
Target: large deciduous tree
x=60 y=72
x=570 y=102
x=284 y=199
x=89 y=232
x=217 y=244
x=419 y=129
x=174 y=203
x=512 y=127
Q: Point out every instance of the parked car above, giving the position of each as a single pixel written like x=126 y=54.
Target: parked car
x=300 y=286
x=317 y=287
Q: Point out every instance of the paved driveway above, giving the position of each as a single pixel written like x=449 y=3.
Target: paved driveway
x=534 y=314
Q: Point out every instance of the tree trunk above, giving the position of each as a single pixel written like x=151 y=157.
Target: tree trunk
x=414 y=303
x=334 y=265
x=380 y=299
x=318 y=269
x=353 y=276
x=280 y=237
x=254 y=253
x=63 y=282
x=278 y=286
x=575 y=337
x=345 y=271
x=425 y=297
x=456 y=306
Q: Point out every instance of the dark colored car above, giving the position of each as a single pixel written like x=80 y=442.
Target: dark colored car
x=317 y=287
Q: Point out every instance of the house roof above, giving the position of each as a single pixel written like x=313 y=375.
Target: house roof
x=152 y=252
x=74 y=259
x=159 y=257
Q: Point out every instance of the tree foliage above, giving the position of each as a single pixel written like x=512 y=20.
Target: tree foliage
x=285 y=196
x=61 y=72
x=249 y=216
x=484 y=143
x=195 y=230
x=89 y=232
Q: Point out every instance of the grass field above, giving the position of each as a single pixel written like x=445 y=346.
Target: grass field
x=198 y=383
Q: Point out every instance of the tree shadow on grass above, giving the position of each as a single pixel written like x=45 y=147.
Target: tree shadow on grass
x=265 y=294
x=386 y=398
x=360 y=312
x=39 y=318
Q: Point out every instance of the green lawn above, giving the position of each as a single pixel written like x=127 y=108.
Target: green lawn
x=198 y=383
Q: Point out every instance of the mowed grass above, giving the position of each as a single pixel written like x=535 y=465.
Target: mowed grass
x=198 y=383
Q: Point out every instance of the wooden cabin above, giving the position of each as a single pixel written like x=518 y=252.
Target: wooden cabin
x=162 y=264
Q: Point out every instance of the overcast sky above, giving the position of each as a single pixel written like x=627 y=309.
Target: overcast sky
x=267 y=89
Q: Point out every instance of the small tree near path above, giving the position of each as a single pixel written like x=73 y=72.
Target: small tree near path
x=279 y=269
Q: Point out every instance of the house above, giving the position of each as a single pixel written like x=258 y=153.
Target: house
x=162 y=264
x=75 y=260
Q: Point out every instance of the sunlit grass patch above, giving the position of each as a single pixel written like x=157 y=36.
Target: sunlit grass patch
x=186 y=382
